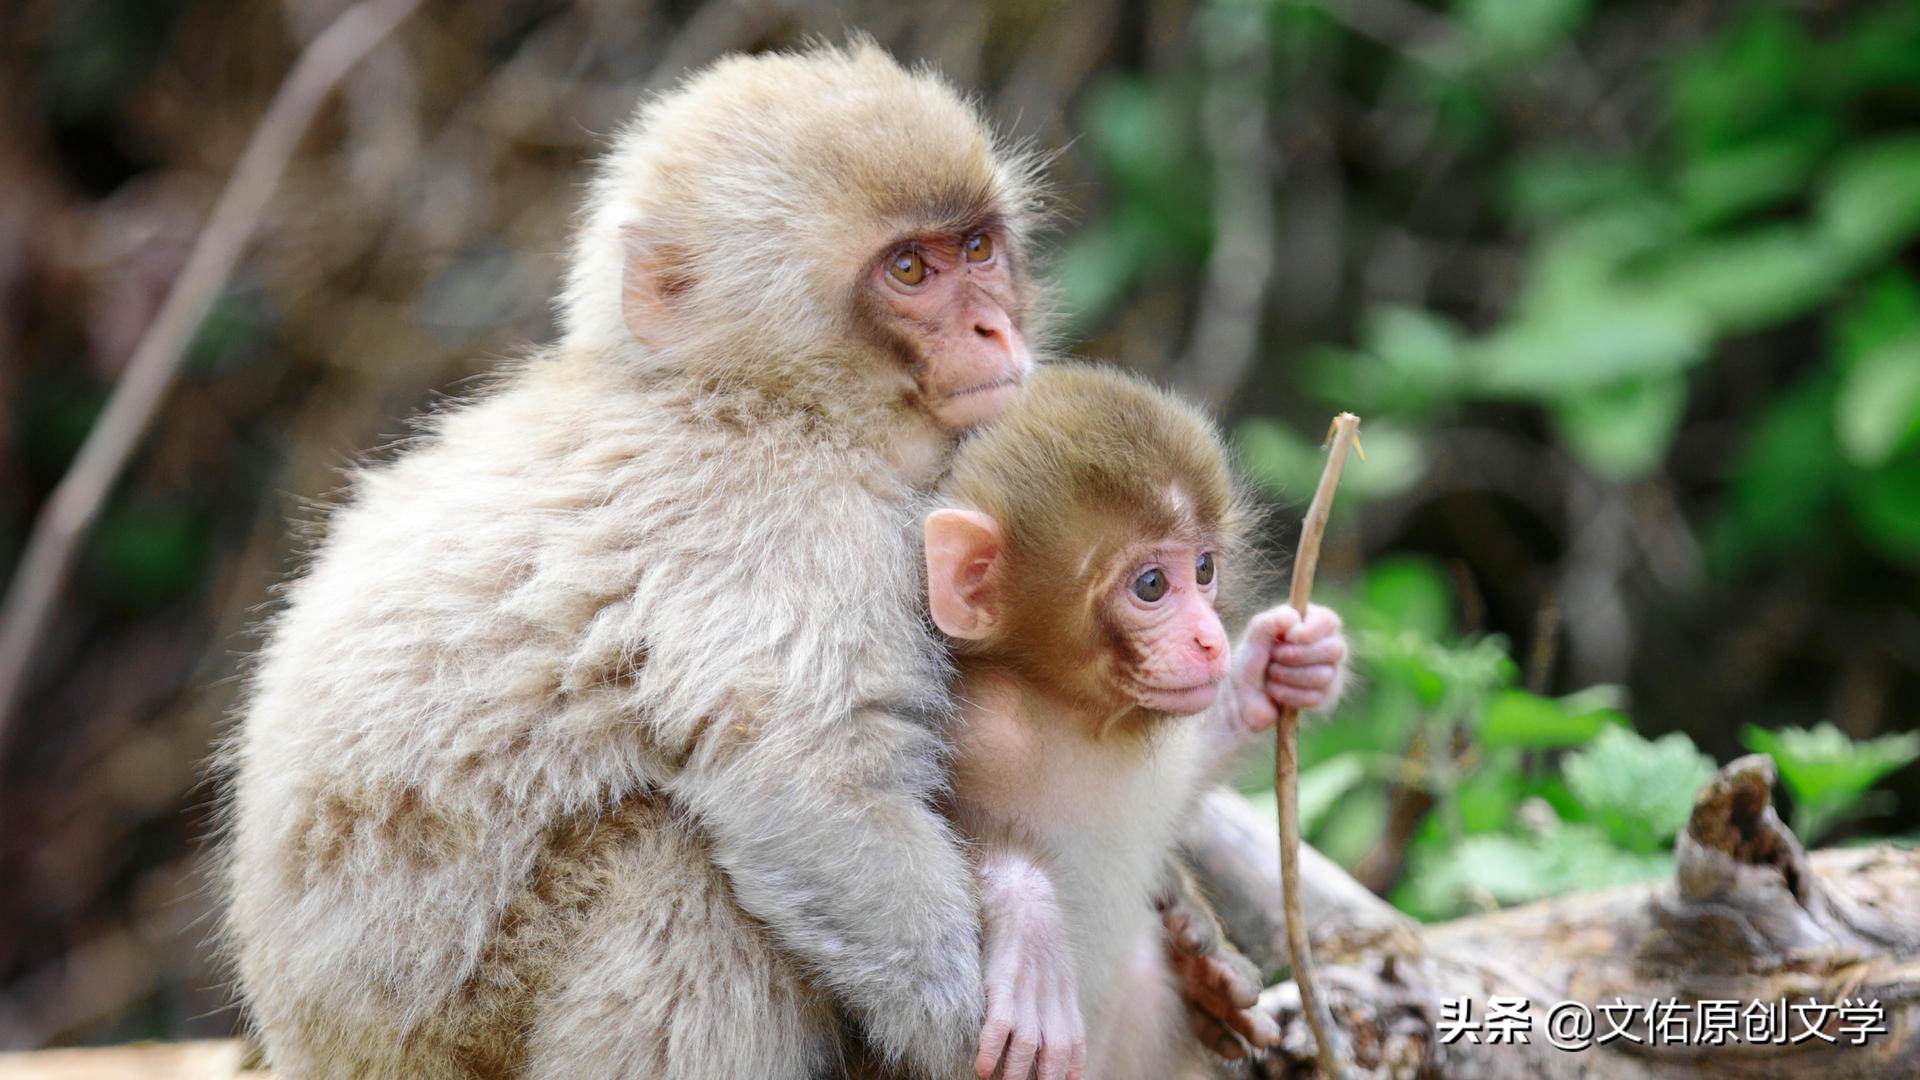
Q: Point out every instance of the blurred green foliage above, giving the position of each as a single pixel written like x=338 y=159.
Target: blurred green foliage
x=1530 y=795
x=1776 y=194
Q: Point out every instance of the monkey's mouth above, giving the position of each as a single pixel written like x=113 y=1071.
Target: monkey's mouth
x=1001 y=383
x=1180 y=700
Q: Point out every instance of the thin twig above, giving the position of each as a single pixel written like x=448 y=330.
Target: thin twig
x=1286 y=767
x=74 y=505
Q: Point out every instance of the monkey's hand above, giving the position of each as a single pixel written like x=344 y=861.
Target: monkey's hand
x=1219 y=986
x=1033 y=1011
x=1287 y=661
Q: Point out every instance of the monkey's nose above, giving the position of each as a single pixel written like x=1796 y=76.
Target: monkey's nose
x=1212 y=648
x=992 y=324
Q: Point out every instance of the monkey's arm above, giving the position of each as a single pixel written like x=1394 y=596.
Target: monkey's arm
x=813 y=762
x=1033 y=1006
x=827 y=835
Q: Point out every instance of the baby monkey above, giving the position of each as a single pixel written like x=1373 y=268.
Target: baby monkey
x=1079 y=564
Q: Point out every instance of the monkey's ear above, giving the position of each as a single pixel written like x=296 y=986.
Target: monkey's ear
x=651 y=278
x=963 y=564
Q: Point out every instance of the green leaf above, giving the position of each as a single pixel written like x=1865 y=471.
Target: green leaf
x=1518 y=718
x=1885 y=503
x=1277 y=457
x=1419 y=350
x=1746 y=81
x=1145 y=134
x=1578 y=327
x=1640 y=792
x=1600 y=340
x=1727 y=183
x=1579 y=857
x=1877 y=50
x=1884 y=309
x=1471 y=670
x=1347 y=836
x=1878 y=408
x=1507 y=868
x=1484 y=802
x=1324 y=784
x=1442 y=882
x=1623 y=431
x=1510 y=30
x=1783 y=480
x=1826 y=772
x=1870 y=204
x=1411 y=593
x=1750 y=280
x=1563 y=181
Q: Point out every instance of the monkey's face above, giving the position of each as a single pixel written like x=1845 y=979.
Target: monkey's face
x=1173 y=649
x=953 y=301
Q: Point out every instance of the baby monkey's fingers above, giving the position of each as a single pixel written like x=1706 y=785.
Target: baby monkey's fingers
x=1320 y=622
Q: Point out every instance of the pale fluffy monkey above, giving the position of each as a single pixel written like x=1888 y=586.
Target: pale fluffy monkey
x=1078 y=559
x=601 y=735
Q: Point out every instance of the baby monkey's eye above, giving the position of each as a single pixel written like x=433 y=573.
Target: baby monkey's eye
x=907 y=268
x=1150 y=586
x=1203 y=568
x=979 y=247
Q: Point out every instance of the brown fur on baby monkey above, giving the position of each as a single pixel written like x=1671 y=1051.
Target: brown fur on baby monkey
x=1079 y=565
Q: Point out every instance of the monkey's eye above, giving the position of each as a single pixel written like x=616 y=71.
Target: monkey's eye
x=1150 y=586
x=907 y=268
x=978 y=247
x=1203 y=568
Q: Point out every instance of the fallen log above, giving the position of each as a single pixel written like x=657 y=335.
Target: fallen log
x=1757 y=960
x=205 y=1059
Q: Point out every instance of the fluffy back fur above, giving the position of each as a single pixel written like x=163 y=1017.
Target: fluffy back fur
x=600 y=735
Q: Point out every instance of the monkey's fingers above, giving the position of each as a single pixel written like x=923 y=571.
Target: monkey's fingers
x=1270 y=627
x=1188 y=931
x=993 y=1046
x=1214 y=1035
x=1320 y=622
x=1250 y=1024
x=1223 y=981
x=1312 y=677
x=1022 y=1051
x=1329 y=651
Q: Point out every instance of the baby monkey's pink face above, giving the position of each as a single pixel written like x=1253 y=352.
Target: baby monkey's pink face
x=1174 y=651
x=955 y=297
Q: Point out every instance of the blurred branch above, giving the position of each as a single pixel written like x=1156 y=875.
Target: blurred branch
x=1240 y=268
x=75 y=503
x=1423 y=37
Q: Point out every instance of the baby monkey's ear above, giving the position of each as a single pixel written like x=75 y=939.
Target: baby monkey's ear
x=964 y=559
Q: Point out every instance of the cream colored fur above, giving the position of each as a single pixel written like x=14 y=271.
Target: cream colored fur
x=600 y=735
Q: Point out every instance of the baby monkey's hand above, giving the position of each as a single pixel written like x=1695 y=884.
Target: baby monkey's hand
x=1219 y=986
x=1286 y=660
x=1033 y=1010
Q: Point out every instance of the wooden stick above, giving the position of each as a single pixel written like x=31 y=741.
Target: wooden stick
x=1286 y=764
x=70 y=511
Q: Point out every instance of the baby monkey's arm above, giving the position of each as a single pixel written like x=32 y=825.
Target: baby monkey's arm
x=1033 y=1007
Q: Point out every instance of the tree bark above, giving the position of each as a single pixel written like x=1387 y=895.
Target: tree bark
x=1750 y=917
